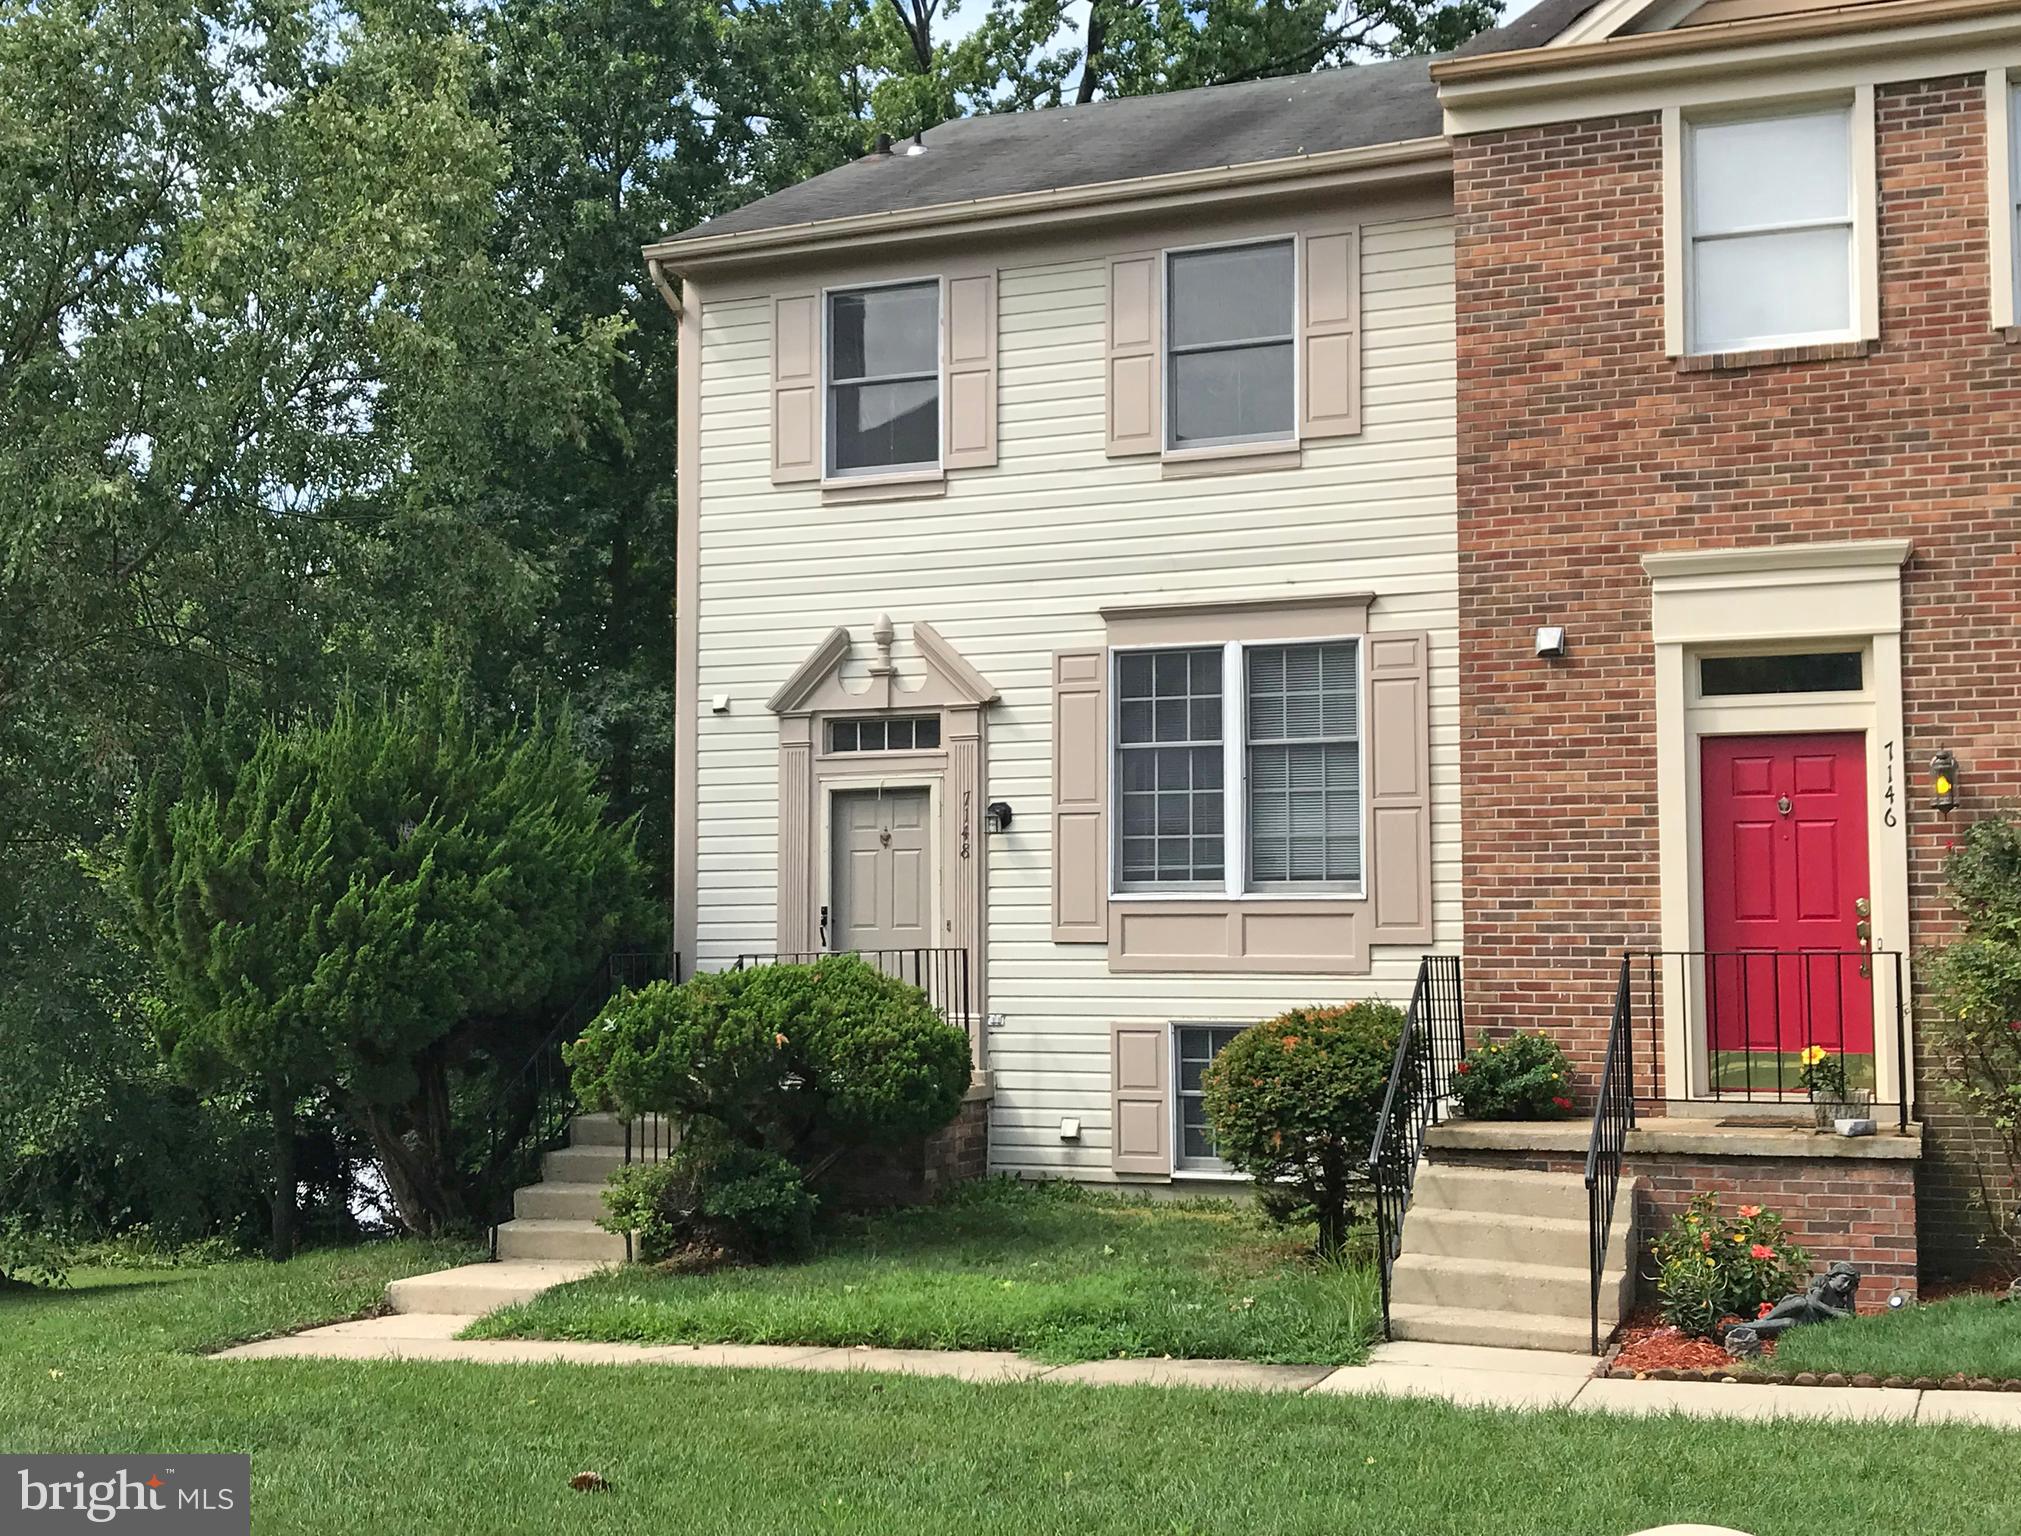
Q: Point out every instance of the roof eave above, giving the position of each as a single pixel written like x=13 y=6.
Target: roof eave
x=1363 y=164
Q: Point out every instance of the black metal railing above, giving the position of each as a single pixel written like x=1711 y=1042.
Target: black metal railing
x=1759 y=1012
x=1434 y=1039
x=942 y=974
x=1613 y=1119
x=531 y=1111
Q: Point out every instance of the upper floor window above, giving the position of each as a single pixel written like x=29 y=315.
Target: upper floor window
x=1278 y=722
x=1771 y=230
x=1231 y=324
x=883 y=375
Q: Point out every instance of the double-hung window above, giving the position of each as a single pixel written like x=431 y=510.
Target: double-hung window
x=1771 y=230
x=1196 y=1046
x=883 y=379
x=1232 y=369
x=1281 y=724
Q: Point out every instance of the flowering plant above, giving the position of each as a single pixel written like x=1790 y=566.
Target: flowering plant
x=1823 y=1075
x=1521 y=1077
x=1709 y=1268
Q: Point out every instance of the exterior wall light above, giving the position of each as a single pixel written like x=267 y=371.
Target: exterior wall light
x=998 y=815
x=1944 y=783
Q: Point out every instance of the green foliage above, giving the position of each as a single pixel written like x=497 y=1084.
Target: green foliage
x=1709 y=1269
x=712 y=1199
x=372 y=905
x=779 y=1056
x=28 y=1257
x=1519 y=1077
x=1293 y=1103
x=1975 y=1022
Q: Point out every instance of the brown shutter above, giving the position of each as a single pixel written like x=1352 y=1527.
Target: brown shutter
x=796 y=389
x=1135 y=422
x=1080 y=791
x=1330 y=340
x=1399 y=787
x=1140 y=1099
x=968 y=398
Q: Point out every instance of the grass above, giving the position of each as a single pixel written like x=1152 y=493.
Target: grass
x=1053 y=1270
x=438 y=1449
x=1972 y=1335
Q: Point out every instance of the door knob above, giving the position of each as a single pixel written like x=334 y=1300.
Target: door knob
x=1864 y=929
x=1864 y=907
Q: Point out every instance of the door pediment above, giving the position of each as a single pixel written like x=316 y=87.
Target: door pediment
x=841 y=676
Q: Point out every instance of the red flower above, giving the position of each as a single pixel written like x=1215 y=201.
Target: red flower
x=2015 y=1025
x=1561 y=1101
x=1766 y=1308
x=1749 y=1212
x=1705 y=1241
x=1463 y=1068
x=1762 y=1251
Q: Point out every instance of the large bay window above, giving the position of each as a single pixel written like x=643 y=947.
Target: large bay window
x=1279 y=725
x=1772 y=238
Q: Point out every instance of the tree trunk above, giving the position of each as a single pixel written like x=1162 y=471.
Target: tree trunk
x=416 y=1147
x=281 y=1107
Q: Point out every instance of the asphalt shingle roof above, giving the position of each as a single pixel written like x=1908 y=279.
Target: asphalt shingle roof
x=1060 y=147
x=1533 y=29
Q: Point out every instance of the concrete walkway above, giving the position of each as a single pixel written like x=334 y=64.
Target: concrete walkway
x=1456 y=1373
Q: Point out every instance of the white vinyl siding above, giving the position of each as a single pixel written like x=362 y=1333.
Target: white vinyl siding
x=1771 y=230
x=1013 y=564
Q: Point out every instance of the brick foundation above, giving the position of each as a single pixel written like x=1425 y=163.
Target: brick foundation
x=1582 y=446
x=923 y=1168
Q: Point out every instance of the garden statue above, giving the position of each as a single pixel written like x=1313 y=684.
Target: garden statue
x=1829 y=1298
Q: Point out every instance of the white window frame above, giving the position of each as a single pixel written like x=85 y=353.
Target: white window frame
x=1182 y=1167
x=2003 y=186
x=1863 y=321
x=924 y=467
x=1168 y=362
x=1235 y=883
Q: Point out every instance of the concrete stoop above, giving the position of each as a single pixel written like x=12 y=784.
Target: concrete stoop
x=1499 y=1257
x=554 y=1221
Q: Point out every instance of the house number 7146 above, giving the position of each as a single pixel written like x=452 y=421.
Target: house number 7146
x=1888 y=816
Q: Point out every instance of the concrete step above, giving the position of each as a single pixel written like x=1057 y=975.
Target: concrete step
x=566 y=1240
x=477 y=1288
x=1498 y=1285
x=1506 y=1191
x=580 y=1165
x=607 y=1130
x=1516 y=1239
x=1504 y=1330
x=558 y=1202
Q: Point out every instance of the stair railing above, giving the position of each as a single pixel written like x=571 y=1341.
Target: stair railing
x=1613 y=1119
x=532 y=1108
x=1433 y=1041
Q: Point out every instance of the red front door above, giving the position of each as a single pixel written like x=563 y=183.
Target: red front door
x=1785 y=836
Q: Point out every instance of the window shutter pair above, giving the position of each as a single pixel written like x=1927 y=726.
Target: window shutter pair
x=1329 y=343
x=967 y=379
x=1396 y=746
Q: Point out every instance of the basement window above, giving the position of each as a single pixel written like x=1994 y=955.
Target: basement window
x=1196 y=1046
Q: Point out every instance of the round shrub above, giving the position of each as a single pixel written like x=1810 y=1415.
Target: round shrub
x=712 y=1200
x=1709 y=1269
x=1293 y=1103
x=1522 y=1077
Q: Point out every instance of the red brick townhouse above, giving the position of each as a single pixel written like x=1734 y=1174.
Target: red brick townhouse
x=1739 y=409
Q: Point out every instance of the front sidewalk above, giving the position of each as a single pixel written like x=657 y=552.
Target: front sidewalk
x=1463 y=1374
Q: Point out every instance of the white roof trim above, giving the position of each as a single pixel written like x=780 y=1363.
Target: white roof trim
x=1608 y=19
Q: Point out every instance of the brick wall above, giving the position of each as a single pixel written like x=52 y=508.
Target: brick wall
x=1862 y=1211
x=1582 y=447
x=922 y=1168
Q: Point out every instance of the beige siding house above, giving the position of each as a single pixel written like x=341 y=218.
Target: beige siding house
x=1068 y=584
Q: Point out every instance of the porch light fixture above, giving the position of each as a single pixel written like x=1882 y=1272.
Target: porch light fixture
x=998 y=815
x=1944 y=783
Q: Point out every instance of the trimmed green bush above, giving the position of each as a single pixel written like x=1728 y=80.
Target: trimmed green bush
x=1521 y=1077
x=1293 y=1103
x=795 y=1066
x=712 y=1200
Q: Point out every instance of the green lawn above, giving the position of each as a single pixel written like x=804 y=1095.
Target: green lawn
x=1969 y=1334
x=425 y=1449
x=1053 y=1270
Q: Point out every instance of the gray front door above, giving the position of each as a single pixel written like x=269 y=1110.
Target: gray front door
x=882 y=890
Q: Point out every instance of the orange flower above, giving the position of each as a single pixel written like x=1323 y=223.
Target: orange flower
x=1762 y=1251
x=1705 y=1241
x=1749 y=1212
x=1290 y=1041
